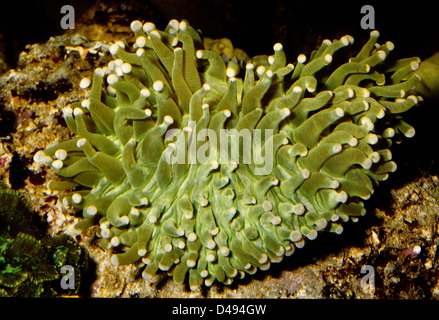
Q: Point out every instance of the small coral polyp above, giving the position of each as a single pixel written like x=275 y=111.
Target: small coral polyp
x=330 y=127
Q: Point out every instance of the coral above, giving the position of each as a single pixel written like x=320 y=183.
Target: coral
x=16 y=215
x=429 y=72
x=31 y=260
x=209 y=172
x=25 y=266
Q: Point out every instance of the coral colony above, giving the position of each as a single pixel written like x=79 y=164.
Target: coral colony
x=30 y=260
x=208 y=172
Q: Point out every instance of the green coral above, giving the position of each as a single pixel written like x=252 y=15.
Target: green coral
x=31 y=260
x=134 y=163
x=429 y=72
x=25 y=266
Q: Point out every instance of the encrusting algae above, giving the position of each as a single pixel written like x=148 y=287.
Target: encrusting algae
x=206 y=171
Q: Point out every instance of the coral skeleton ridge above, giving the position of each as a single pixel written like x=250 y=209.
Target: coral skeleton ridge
x=327 y=121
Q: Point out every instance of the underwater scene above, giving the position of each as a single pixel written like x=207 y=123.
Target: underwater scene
x=219 y=149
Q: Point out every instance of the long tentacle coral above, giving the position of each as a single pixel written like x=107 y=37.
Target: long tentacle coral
x=209 y=172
